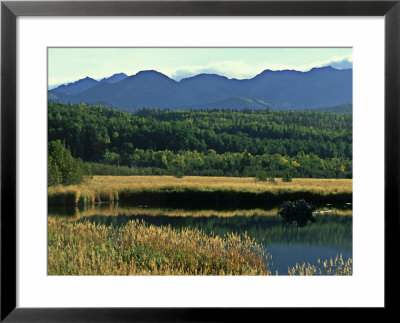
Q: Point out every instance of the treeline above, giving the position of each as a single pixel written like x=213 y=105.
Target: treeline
x=213 y=142
x=166 y=162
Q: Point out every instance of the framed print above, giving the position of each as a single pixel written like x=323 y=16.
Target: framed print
x=186 y=160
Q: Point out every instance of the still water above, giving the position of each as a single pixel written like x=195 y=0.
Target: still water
x=329 y=236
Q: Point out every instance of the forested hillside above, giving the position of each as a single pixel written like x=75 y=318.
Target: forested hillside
x=213 y=142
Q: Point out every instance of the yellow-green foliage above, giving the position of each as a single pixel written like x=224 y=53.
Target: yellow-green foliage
x=335 y=267
x=140 y=249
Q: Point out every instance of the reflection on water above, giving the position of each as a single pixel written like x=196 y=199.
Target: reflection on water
x=329 y=236
x=73 y=212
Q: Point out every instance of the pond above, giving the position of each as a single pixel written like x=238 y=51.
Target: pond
x=329 y=236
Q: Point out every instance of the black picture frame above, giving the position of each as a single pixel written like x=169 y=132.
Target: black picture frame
x=10 y=10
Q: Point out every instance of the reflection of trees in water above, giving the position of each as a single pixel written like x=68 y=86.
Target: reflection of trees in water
x=328 y=230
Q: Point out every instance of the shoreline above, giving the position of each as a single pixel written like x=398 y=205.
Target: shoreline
x=194 y=192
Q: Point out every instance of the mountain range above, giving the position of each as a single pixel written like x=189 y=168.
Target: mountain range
x=286 y=89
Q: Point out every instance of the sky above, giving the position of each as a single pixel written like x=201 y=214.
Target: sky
x=71 y=64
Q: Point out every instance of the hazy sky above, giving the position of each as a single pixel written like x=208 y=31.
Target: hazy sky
x=70 y=64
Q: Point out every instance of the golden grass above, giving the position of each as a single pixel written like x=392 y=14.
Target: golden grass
x=140 y=249
x=333 y=267
x=230 y=183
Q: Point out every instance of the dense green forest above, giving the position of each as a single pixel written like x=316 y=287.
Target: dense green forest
x=205 y=142
x=63 y=168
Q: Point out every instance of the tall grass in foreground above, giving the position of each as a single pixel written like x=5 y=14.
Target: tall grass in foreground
x=140 y=249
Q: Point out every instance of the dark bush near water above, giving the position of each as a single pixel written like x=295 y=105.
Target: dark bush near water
x=298 y=213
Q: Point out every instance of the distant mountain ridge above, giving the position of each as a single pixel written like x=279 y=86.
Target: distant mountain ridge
x=114 y=78
x=76 y=87
x=319 y=87
x=86 y=83
x=345 y=108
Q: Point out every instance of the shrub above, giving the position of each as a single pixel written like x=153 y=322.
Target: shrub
x=298 y=213
x=261 y=176
x=287 y=177
x=177 y=173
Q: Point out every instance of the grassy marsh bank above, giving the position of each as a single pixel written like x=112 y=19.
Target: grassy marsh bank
x=198 y=191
